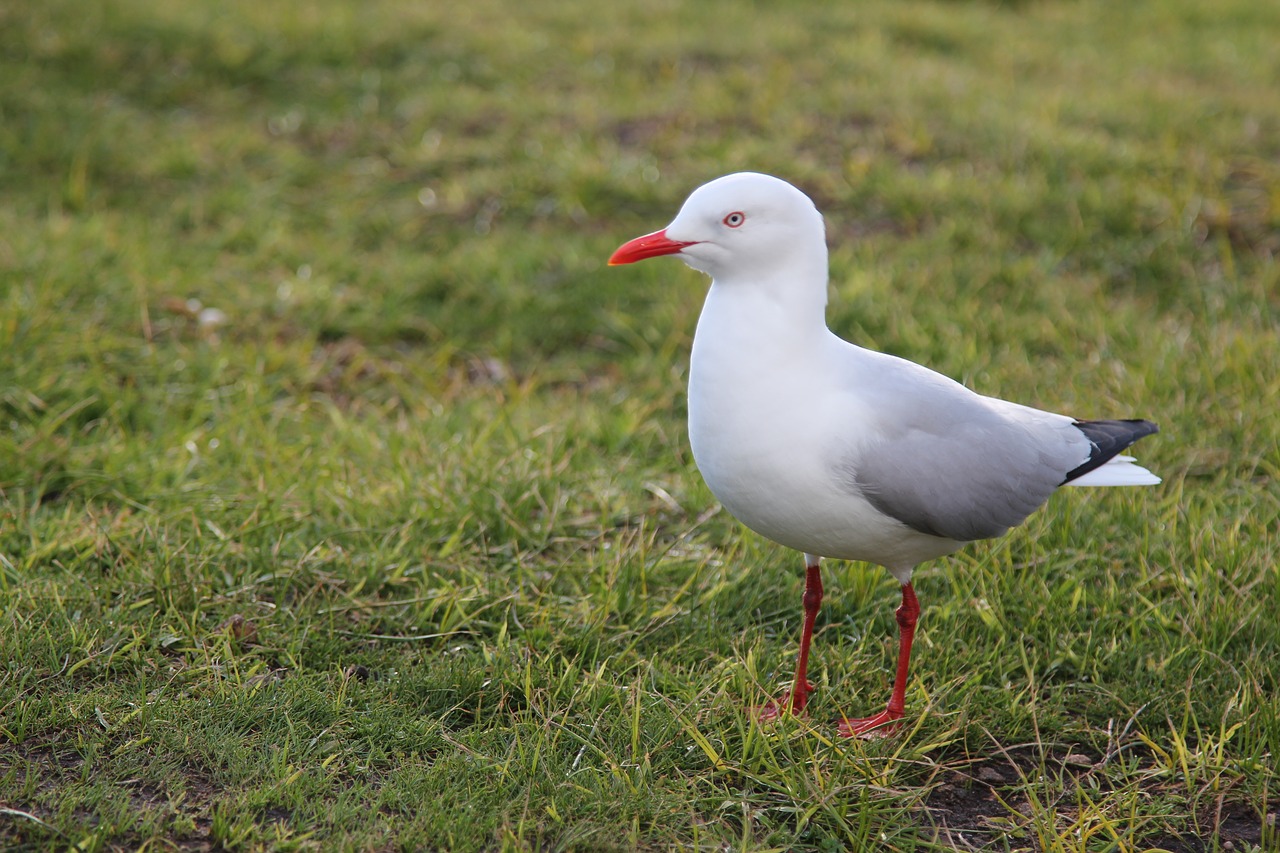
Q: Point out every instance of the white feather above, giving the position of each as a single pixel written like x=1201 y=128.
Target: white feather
x=1120 y=471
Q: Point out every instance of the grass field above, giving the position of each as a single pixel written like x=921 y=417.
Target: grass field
x=345 y=501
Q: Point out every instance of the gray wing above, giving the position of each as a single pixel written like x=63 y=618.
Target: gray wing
x=954 y=464
x=961 y=486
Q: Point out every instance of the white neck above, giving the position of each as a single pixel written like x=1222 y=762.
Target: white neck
x=782 y=302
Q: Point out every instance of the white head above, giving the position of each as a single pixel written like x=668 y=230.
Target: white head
x=742 y=226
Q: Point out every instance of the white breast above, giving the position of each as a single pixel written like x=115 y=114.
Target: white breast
x=762 y=404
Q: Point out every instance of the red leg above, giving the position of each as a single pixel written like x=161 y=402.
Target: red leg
x=795 y=699
x=886 y=722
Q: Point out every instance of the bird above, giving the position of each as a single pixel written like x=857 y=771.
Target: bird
x=842 y=452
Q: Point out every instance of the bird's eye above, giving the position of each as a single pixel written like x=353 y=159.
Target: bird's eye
x=733 y=220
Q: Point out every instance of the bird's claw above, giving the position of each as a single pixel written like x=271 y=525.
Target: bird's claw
x=884 y=724
x=789 y=704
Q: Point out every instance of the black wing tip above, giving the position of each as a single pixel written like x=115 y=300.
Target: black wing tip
x=1130 y=429
x=1109 y=438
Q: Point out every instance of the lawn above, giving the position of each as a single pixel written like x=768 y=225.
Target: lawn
x=345 y=500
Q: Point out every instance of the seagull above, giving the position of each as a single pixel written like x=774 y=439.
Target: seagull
x=842 y=452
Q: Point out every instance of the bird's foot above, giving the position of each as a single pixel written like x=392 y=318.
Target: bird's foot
x=884 y=724
x=790 y=703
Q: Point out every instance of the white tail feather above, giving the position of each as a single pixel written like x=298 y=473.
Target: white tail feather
x=1120 y=471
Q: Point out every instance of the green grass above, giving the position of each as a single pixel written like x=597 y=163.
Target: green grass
x=410 y=553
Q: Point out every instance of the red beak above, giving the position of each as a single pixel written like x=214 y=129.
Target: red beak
x=648 y=246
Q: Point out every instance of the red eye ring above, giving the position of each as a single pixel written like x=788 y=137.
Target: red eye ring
x=735 y=219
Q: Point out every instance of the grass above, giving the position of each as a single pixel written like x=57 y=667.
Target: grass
x=344 y=495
